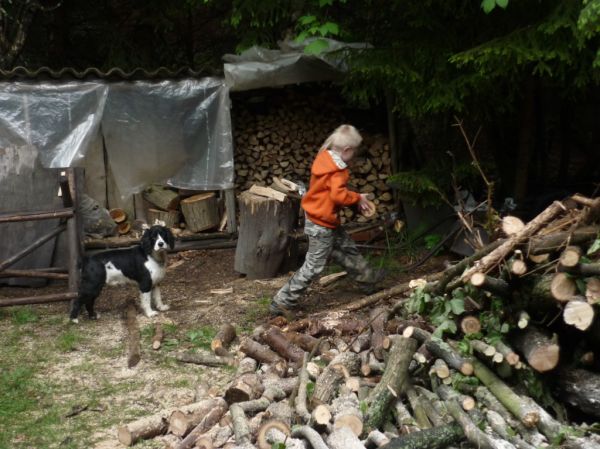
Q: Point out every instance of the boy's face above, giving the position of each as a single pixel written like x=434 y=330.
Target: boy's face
x=347 y=154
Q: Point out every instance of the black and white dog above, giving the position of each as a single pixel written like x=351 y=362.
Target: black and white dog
x=144 y=265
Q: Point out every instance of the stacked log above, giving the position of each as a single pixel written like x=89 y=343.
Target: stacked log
x=283 y=142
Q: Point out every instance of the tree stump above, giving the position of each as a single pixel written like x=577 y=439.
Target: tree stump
x=264 y=235
x=200 y=212
x=169 y=217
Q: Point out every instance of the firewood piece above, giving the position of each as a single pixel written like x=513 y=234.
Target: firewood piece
x=274 y=437
x=405 y=421
x=392 y=381
x=244 y=388
x=540 y=351
x=583 y=269
x=220 y=342
x=263 y=354
x=268 y=192
x=592 y=290
x=578 y=313
x=526 y=414
x=204 y=358
x=507 y=352
x=434 y=407
x=200 y=211
x=345 y=364
x=563 y=287
x=416 y=405
x=346 y=413
x=434 y=438
x=539 y=258
x=500 y=426
x=580 y=389
x=240 y=425
x=343 y=438
x=301 y=408
x=266 y=226
x=118 y=215
x=331 y=278
x=158 y=336
x=261 y=438
x=440 y=368
x=309 y=435
x=361 y=342
x=123 y=228
x=287 y=384
x=321 y=417
x=518 y=267
x=134 y=354
x=471 y=431
x=144 y=428
x=270 y=394
x=373 y=366
x=246 y=365
x=307 y=342
x=276 y=339
x=376 y=438
x=182 y=421
x=489 y=283
x=162 y=197
x=570 y=256
x=492 y=259
x=483 y=348
x=211 y=418
x=552 y=242
x=523 y=320
x=170 y=218
x=512 y=225
x=378 y=317
x=440 y=349
x=470 y=325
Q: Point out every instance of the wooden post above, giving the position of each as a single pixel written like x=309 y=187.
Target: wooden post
x=231 y=211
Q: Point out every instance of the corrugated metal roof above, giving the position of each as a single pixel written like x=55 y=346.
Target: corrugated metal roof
x=115 y=73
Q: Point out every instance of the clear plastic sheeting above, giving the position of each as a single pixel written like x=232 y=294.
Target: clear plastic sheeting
x=260 y=67
x=171 y=131
x=58 y=120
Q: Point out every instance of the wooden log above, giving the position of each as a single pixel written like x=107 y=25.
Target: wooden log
x=263 y=354
x=375 y=438
x=301 y=408
x=276 y=339
x=273 y=424
x=200 y=212
x=224 y=336
x=440 y=368
x=244 y=388
x=240 y=425
x=343 y=365
x=158 y=336
x=246 y=365
x=518 y=267
x=270 y=394
x=489 y=283
x=361 y=342
x=563 y=287
x=309 y=435
x=266 y=226
x=592 y=290
x=470 y=325
x=552 y=242
x=483 y=348
x=512 y=225
x=540 y=351
x=134 y=354
x=434 y=438
x=162 y=197
x=346 y=413
x=405 y=421
x=526 y=414
x=123 y=228
x=183 y=420
x=170 y=218
x=499 y=425
x=416 y=404
x=392 y=381
x=580 y=389
x=377 y=318
x=343 y=438
x=579 y=313
x=511 y=357
x=321 y=417
x=204 y=358
x=582 y=269
x=118 y=215
x=144 y=428
x=492 y=259
x=523 y=319
x=570 y=256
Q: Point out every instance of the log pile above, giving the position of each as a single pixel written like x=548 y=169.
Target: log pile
x=283 y=142
x=391 y=379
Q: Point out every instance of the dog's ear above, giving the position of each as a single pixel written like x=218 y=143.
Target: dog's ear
x=146 y=241
x=170 y=238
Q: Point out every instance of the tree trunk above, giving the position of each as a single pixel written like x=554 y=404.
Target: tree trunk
x=264 y=235
x=581 y=389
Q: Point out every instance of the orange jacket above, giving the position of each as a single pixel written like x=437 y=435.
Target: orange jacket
x=327 y=193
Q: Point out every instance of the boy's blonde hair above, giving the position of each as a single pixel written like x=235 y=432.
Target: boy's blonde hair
x=343 y=136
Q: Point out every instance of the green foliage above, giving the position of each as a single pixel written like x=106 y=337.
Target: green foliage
x=489 y=5
x=201 y=337
x=24 y=315
x=310 y=389
x=439 y=310
x=68 y=341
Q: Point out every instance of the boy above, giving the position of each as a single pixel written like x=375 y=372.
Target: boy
x=326 y=195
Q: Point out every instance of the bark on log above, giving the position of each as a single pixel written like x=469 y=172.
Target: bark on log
x=376 y=438
x=512 y=225
x=309 y=435
x=221 y=341
x=276 y=339
x=552 y=242
x=244 y=388
x=144 y=428
x=170 y=218
x=378 y=317
x=343 y=438
x=434 y=438
x=134 y=354
x=182 y=421
x=580 y=388
x=346 y=413
x=206 y=423
x=240 y=425
x=470 y=325
x=562 y=287
x=264 y=235
x=200 y=212
x=417 y=407
x=492 y=259
x=491 y=284
x=263 y=354
x=392 y=381
x=162 y=197
x=307 y=342
x=346 y=363
x=254 y=406
x=540 y=351
x=406 y=422
x=204 y=358
x=158 y=336
x=301 y=408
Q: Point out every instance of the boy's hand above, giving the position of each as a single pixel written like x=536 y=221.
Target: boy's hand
x=366 y=207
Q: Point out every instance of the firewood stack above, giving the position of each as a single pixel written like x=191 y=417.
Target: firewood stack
x=284 y=141
x=391 y=379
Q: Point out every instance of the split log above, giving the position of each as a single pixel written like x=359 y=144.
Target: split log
x=182 y=421
x=491 y=284
x=377 y=318
x=580 y=388
x=346 y=413
x=343 y=438
x=158 y=336
x=162 y=197
x=244 y=388
x=578 y=313
x=440 y=349
x=434 y=438
x=392 y=381
x=343 y=365
x=528 y=416
x=134 y=354
x=265 y=231
x=200 y=212
x=489 y=261
x=204 y=358
x=541 y=352
x=220 y=343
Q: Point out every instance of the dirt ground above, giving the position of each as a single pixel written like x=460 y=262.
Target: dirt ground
x=84 y=366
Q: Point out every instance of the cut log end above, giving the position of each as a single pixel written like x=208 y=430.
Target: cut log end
x=545 y=358
x=261 y=439
x=579 y=314
x=562 y=287
x=125 y=436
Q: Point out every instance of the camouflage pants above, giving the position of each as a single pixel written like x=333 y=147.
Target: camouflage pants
x=322 y=244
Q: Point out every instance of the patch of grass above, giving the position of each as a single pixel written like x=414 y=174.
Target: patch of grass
x=24 y=315
x=68 y=341
x=201 y=337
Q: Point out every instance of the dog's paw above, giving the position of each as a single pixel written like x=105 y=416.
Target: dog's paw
x=151 y=313
x=163 y=307
x=74 y=320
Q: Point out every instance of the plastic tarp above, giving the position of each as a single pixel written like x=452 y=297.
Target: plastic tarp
x=178 y=132
x=259 y=67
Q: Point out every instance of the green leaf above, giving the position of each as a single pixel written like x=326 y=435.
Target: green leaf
x=329 y=28
x=458 y=306
x=301 y=37
x=488 y=5
x=325 y=3
x=594 y=247
x=305 y=20
x=316 y=47
x=502 y=3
